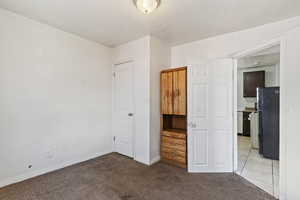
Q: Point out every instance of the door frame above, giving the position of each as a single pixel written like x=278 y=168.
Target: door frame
x=282 y=157
x=113 y=107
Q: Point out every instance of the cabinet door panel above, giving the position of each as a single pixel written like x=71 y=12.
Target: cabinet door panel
x=179 y=90
x=252 y=81
x=167 y=93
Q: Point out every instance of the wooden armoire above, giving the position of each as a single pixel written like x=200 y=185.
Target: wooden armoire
x=174 y=116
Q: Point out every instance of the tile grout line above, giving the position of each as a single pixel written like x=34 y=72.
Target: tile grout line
x=249 y=152
x=272 y=167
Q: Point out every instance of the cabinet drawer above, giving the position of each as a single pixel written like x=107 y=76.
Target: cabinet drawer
x=174 y=143
x=174 y=135
x=173 y=151
x=173 y=157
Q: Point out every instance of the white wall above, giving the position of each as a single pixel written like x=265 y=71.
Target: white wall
x=229 y=44
x=290 y=109
x=160 y=59
x=225 y=45
x=139 y=52
x=55 y=98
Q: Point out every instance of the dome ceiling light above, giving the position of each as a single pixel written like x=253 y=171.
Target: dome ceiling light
x=146 y=6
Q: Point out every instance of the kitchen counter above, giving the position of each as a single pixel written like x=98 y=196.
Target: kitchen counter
x=248 y=110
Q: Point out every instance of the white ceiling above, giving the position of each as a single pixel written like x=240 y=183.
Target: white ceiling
x=113 y=22
x=259 y=61
x=266 y=57
x=271 y=50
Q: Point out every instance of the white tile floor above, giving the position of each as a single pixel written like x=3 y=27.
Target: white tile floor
x=260 y=171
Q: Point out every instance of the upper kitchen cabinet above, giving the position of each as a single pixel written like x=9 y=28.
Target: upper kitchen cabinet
x=252 y=81
x=174 y=91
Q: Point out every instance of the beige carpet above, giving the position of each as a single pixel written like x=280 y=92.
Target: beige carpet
x=115 y=177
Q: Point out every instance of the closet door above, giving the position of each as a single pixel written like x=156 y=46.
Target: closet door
x=167 y=93
x=179 y=90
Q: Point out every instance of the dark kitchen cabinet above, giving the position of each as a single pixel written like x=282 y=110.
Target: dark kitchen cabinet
x=253 y=80
x=246 y=124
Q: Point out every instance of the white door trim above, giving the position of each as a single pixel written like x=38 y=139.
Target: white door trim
x=282 y=174
x=113 y=99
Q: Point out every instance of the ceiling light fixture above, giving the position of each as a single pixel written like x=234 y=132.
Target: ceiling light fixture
x=147 y=6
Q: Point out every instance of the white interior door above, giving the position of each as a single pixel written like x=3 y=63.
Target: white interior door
x=123 y=122
x=210 y=116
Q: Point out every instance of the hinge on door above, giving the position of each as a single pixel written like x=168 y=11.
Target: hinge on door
x=114 y=138
x=114 y=74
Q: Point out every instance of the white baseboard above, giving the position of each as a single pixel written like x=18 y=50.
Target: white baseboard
x=155 y=160
x=33 y=174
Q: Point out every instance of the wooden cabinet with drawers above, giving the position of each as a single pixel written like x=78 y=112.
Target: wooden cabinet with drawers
x=174 y=120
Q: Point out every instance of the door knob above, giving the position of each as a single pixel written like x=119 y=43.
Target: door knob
x=130 y=114
x=192 y=125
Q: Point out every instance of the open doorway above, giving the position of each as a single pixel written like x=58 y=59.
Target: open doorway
x=257 y=93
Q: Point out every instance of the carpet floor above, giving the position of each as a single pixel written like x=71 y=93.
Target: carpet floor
x=115 y=177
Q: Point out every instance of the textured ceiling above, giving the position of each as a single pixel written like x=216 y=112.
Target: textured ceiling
x=114 y=22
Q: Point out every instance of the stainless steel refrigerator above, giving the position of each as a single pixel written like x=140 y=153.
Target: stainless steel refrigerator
x=268 y=109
